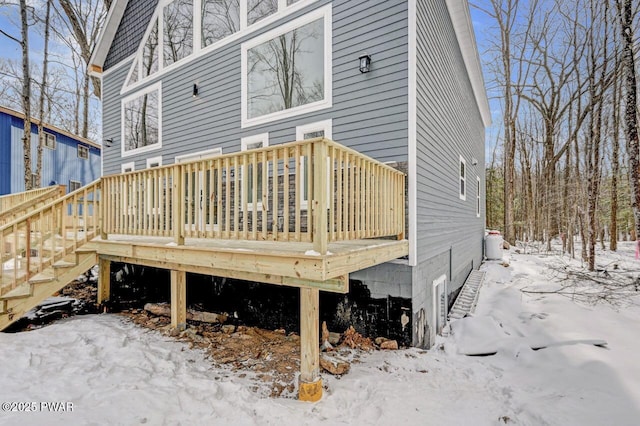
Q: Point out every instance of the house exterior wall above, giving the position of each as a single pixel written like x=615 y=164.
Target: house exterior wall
x=59 y=165
x=448 y=125
x=369 y=111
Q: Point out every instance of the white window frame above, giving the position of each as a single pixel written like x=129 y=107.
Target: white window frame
x=327 y=127
x=200 y=155
x=53 y=138
x=198 y=50
x=154 y=160
x=462 y=180
x=244 y=142
x=478 y=198
x=130 y=165
x=154 y=87
x=82 y=148
x=320 y=13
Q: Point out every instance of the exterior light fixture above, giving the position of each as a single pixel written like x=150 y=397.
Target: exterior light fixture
x=195 y=90
x=108 y=142
x=365 y=63
x=474 y=161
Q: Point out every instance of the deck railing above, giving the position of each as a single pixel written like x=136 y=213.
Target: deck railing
x=31 y=200
x=313 y=190
x=31 y=243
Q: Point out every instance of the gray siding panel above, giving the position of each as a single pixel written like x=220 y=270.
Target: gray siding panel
x=369 y=110
x=450 y=235
x=448 y=125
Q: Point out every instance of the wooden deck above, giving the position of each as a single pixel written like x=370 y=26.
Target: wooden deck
x=285 y=263
x=304 y=214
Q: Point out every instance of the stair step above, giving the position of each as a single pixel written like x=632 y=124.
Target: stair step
x=20 y=292
x=42 y=278
x=64 y=264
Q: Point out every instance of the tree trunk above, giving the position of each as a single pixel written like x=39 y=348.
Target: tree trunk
x=43 y=91
x=630 y=114
x=26 y=96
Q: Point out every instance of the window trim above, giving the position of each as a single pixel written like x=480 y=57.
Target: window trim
x=198 y=50
x=320 y=13
x=151 y=88
x=152 y=160
x=82 y=148
x=462 y=179
x=130 y=165
x=54 y=138
x=478 y=198
x=327 y=127
x=260 y=137
x=202 y=155
x=76 y=182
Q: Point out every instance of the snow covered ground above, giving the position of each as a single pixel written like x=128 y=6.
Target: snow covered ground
x=114 y=372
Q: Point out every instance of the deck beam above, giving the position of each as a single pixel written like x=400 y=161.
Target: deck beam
x=310 y=386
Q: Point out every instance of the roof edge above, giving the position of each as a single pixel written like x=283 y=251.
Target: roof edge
x=461 y=19
x=35 y=121
x=108 y=33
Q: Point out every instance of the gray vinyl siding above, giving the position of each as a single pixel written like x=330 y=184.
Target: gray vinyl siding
x=130 y=31
x=369 y=112
x=448 y=125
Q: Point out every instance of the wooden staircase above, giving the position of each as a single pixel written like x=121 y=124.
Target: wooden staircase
x=21 y=299
x=45 y=249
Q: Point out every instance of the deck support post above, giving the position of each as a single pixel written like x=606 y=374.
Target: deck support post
x=178 y=300
x=104 y=280
x=310 y=385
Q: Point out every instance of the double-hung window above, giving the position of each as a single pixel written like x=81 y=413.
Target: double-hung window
x=320 y=129
x=252 y=174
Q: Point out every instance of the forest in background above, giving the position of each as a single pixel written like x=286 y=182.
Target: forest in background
x=566 y=163
x=48 y=78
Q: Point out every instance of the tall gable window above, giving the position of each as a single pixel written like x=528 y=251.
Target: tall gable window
x=178 y=31
x=181 y=29
x=150 y=61
x=260 y=9
x=286 y=71
x=141 y=121
x=220 y=19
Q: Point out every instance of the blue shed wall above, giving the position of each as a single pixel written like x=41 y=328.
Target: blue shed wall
x=59 y=165
x=5 y=154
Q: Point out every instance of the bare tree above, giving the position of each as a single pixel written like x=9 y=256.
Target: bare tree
x=625 y=14
x=43 y=92
x=26 y=94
